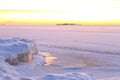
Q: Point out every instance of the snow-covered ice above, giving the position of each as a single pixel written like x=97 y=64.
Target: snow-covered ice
x=65 y=50
x=17 y=51
x=68 y=76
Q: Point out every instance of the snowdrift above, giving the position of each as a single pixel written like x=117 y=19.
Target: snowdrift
x=67 y=76
x=17 y=50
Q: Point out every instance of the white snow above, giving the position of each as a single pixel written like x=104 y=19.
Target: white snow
x=111 y=78
x=74 y=50
x=67 y=76
x=10 y=48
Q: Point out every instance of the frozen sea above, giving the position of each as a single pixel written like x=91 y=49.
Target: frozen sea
x=94 y=50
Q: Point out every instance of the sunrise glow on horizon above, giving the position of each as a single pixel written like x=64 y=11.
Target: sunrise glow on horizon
x=59 y=11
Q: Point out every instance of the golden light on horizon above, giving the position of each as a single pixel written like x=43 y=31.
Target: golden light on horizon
x=59 y=11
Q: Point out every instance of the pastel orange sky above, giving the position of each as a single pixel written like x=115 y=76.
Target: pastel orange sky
x=59 y=11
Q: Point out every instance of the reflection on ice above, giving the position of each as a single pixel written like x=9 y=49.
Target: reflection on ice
x=49 y=58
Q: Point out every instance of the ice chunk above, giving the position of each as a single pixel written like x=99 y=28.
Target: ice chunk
x=14 y=51
x=17 y=50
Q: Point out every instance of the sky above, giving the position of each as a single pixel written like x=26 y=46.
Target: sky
x=59 y=11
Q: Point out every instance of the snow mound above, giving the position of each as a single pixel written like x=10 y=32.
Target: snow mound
x=68 y=76
x=17 y=50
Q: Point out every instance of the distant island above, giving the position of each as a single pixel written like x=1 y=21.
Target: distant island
x=67 y=24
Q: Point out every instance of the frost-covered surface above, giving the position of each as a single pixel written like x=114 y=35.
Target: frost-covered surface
x=67 y=76
x=12 y=49
x=93 y=50
x=111 y=78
